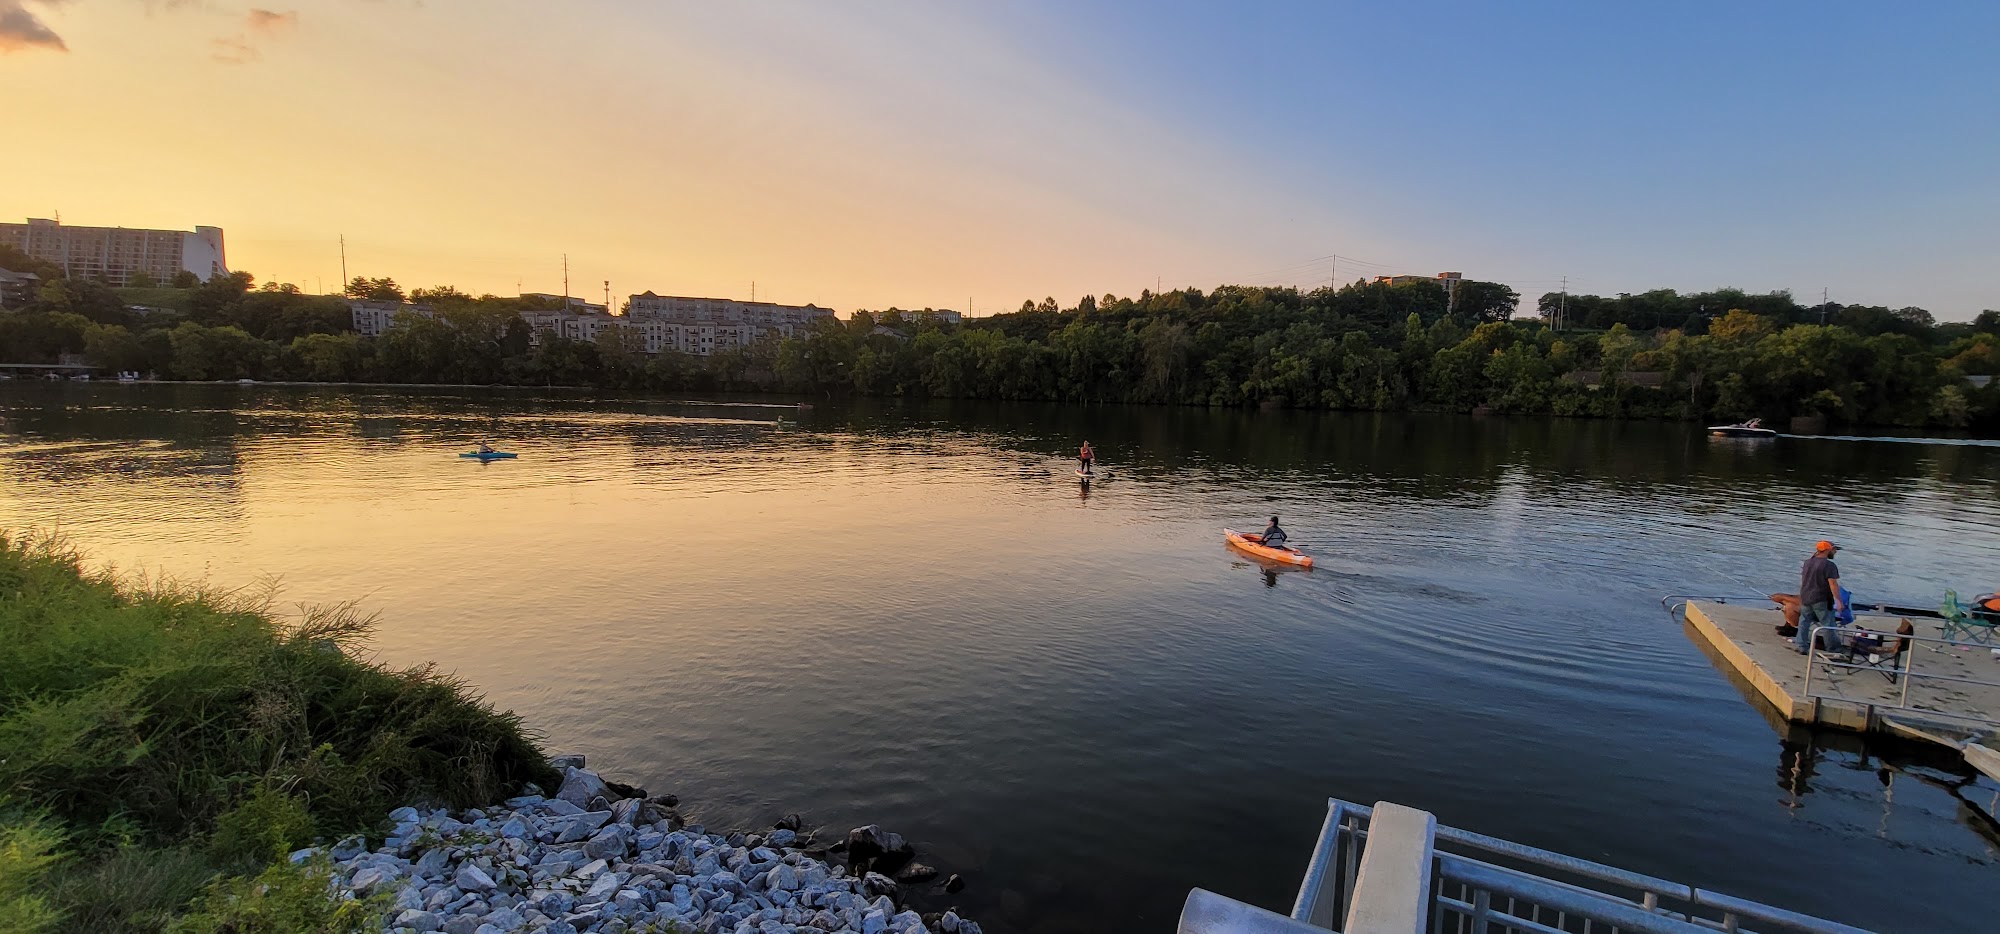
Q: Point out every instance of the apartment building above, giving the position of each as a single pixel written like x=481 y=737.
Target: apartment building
x=703 y=326
x=373 y=319
x=1448 y=280
x=115 y=254
x=714 y=326
x=18 y=288
x=572 y=302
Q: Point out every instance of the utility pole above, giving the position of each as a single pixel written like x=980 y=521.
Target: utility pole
x=1562 y=306
x=1333 y=275
x=1822 y=305
x=753 y=291
x=343 y=264
x=607 y=295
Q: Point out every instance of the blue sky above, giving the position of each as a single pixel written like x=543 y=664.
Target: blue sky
x=927 y=154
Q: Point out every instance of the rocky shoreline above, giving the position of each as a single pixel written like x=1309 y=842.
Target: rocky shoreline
x=599 y=857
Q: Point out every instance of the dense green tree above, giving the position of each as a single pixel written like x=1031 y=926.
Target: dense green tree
x=374 y=290
x=1485 y=301
x=328 y=358
x=227 y=352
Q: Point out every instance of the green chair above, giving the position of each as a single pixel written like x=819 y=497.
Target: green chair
x=1964 y=625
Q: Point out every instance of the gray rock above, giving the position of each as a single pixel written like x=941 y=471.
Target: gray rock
x=579 y=786
x=627 y=811
x=461 y=924
x=571 y=760
x=582 y=826
x=561 y=808
x=915 y=873
x=726 y=882
x=433 y=863
x=506 y=919
x=349 y=848
x=515 y=828
x=471 y=878
x=422 y=922
x=610 y=843
x=488 y=929
x=369 y=879
x=405 y=815
x=603 y=888
x=560 y=927
x=301 y=856
x=949 y=923
x=874 y=922
x=782 y=837
x=955 y=884
x=410 y=896
x=876 y=883
x=872 y=842
x=783 y=878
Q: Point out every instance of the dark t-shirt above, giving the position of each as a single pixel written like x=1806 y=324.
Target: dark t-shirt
x=1813 y=578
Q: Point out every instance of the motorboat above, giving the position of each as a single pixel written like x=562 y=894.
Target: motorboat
x=1753 y=428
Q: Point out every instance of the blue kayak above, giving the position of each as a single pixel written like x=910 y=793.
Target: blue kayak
x=489 y=455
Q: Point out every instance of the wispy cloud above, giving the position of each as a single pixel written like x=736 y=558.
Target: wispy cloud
x=271 y=23
x=258 y=25
x=21 y=30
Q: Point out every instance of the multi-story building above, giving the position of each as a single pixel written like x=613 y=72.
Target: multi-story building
x=573 y=303
x=1448 y=280
x=18 y=288
x=660 y=325
x=705 y=325
x=115 y=254
x=372 y=319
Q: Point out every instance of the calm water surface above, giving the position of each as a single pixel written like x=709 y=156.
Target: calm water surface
x=1080 y=699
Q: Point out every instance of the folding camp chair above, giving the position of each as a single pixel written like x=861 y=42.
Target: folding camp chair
x=1964 y=624
x=1887 y=655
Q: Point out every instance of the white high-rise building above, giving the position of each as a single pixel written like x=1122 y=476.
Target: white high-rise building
x=114 y=254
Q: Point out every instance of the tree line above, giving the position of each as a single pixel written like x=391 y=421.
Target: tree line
x=1719 y=355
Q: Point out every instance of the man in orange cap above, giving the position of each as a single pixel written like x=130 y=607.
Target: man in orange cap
x=1819 y=595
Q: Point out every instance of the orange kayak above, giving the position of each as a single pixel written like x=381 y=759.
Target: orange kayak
x=1253 y=543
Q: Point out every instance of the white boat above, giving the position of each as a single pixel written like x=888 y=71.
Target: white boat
x=1753 y=428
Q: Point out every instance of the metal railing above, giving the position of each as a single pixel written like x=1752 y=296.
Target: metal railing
x=1483 y=885
x=1902 y=667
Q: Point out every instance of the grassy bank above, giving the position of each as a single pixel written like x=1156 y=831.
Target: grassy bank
x=162 y=748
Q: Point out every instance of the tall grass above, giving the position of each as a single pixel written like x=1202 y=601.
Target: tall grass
x=154 y=718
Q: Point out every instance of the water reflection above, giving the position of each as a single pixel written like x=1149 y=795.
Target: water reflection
x=897 y=612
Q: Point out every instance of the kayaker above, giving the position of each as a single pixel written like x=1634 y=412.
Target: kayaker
x=1084 y=457
x=1273 y=537
x=485 y=448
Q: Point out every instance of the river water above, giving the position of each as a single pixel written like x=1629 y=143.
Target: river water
x=1081 y=699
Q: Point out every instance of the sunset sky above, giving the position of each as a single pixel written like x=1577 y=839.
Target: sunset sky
x=917 y=154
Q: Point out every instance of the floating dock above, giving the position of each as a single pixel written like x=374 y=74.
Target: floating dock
x=1950 y=693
